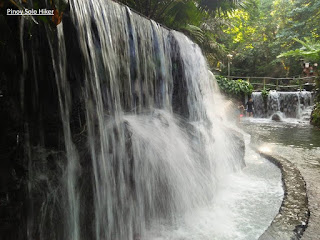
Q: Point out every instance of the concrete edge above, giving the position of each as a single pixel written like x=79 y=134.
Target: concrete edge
x=293 y=216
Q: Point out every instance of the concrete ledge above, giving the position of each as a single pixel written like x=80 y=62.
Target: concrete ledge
x=293 y=216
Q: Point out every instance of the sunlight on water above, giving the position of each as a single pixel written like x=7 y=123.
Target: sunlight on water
x=265 y=149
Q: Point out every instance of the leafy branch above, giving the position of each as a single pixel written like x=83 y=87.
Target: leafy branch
x=310 y=50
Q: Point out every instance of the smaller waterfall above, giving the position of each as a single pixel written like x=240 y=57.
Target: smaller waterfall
x=274 y=99
x=287 y=104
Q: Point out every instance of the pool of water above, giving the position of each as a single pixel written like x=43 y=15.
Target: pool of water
x=290 y=132
x=244 y=206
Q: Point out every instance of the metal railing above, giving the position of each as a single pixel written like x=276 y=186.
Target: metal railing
x=272 y=83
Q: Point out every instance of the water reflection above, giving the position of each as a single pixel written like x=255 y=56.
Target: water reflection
x=289 y=133
x=265 y=148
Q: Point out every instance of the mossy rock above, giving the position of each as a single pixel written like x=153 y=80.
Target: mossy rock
x=315 y=115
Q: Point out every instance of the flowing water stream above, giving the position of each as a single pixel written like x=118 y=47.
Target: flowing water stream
x=145 y=150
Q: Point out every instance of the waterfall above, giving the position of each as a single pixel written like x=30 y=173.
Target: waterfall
x=145 y=137
x=71 y=171
x=287 y=104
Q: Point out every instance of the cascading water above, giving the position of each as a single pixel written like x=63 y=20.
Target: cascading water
x=124 y=134
x=144 y=166
x=144 y=134
x=286 y=104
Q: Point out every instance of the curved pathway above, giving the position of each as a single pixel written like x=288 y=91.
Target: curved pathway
x=308 y=162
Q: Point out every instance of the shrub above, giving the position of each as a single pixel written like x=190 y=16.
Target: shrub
x=315 y=115
x=265 y=93
x=234 y=88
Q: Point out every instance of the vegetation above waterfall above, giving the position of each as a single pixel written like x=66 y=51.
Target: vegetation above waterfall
x=265 y=37
x=201 y=20
x=255 y=32
x=315 y=116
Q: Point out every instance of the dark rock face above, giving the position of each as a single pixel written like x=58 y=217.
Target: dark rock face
x=180 y=90
x=238 y=145
x=12 y=163
x=30 y=117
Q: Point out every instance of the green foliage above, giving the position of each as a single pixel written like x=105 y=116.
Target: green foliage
x=171 y=13
x=217 y=6
x=265 y=93
x=182 y=13
x=204 y=37
x=315 y=116
x=196 y=33
x=310 y=50
x=264 y=29
x=174 y=12
x=60 y=5
x=234 y=88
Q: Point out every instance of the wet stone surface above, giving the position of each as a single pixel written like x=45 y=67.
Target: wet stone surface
x=293 y=215
x=308 y=162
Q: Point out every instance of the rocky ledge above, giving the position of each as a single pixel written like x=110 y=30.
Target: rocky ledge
x=293 y=216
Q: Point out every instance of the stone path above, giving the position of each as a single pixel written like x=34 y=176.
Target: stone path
x=293 y=215
x=308 y=162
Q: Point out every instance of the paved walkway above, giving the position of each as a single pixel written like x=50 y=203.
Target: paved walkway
x=308 y=162
x=293 y=215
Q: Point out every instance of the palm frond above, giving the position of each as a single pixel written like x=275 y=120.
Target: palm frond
x=194 y=33
x=310 y=50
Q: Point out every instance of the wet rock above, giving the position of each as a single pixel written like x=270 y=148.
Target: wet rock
x=276 y=117
x=238 y=145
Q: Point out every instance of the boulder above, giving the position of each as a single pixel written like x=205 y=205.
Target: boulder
x=238 y=145
x=276 y=117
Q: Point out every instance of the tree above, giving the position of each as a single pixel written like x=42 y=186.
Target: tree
x=171 y=13
x=310 y=51
x=263 y=29
x=201 y=20
x=159 y=10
